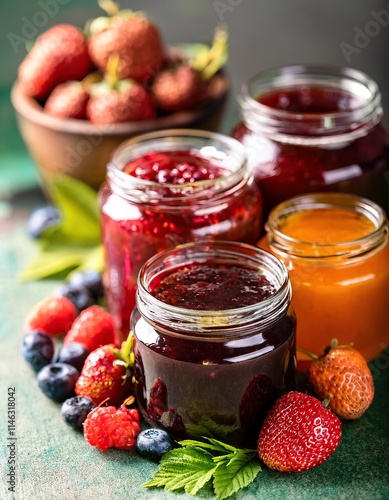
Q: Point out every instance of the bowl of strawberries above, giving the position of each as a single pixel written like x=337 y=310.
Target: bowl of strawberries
x=79 y=94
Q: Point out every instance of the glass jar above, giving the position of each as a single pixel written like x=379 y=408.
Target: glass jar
x=141 y=217
x=203 y=368
x=335 y=247
x=314 y=128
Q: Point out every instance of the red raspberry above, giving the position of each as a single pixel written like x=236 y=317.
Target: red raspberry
x=108 y=427
x=52 y=315
x=94 y=327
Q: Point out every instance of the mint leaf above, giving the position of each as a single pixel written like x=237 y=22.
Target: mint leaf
x=184 y=468
x=197 y=463
x=234 y=475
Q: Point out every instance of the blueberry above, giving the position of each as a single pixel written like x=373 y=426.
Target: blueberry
x=153 y=443
x=41 y=219
x=91 y=280
x=75 y=410
x=80 y=296
x=57 y=381
x=37 y=349
x=73 y=354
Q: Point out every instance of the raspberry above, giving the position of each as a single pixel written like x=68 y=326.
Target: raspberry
x=53 y=315
x=94 y=327
x=108 y=427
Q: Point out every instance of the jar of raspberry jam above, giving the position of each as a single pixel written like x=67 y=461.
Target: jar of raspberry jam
x=314 y=128
x=214 y=339
x=168 y=188
x=335 y=247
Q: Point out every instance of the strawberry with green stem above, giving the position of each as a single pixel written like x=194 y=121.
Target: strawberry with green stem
x=115 y=101
x=182 y=84
x=131 y=36
x=107 y=374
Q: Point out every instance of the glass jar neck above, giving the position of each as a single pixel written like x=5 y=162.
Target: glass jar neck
x=227 y=152
x=340 y=252
x=214 y=325
x=312 y=128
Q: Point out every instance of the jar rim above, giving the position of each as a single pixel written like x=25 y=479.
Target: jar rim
x=326 y=252
x=263 y=118
x=206 y=323
x=143 y=191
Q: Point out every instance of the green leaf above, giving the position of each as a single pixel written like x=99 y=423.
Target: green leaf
x=238 y=473
x=183 y=468
x=54 y=259
x=212 y=444
x=78 y=205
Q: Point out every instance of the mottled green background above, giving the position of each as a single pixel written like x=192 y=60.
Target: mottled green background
x=52 y=461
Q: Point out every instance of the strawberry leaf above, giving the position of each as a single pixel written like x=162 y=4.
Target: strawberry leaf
x=198 y=463
x=184 y=468
x=234 y=475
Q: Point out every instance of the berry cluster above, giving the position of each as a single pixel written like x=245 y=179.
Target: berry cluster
x=92 y=378
x=119 y=71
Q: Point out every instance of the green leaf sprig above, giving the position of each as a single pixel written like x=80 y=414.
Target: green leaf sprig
x=198 y=463
x=75 y=243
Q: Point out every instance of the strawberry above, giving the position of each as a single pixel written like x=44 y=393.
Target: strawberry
x=94 y=327
x=178 y=88
x=129 y=35
x=59 y=54
x=183 y=84
x=53 y=315
x=67 y=100
x=108 y=427
x=298 y=434
x=342 y=375
x=105 y=374
x=116 y=101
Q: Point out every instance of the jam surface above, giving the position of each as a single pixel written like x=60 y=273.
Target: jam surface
x=213 y=287
x=309 y=100
x=327 y=226
x=174 y=167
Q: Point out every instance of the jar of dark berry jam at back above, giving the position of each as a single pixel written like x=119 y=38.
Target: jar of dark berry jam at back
x=314 y=128
x=214 y=340
x=168 y=188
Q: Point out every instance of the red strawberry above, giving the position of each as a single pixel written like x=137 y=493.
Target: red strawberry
x=343 y=376
x=108 y=427
x=59 y=54
x=94 y=327
x=298 y=433
x=53 y=315
x=178 y=88
x=116 y=101
x=68 y=100
x=183 y=84
x=129 y=35
x=105 y=374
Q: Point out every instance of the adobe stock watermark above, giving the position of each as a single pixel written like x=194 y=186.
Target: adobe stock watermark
x=31 y=28
x=225 y=6
x=363 y=36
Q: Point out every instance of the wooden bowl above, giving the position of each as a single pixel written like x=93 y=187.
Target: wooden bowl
x=80 y=149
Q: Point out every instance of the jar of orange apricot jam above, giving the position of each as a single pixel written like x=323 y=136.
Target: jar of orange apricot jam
x=214 y=340
x=313 y=128
x=168 y=188
x=335 y=247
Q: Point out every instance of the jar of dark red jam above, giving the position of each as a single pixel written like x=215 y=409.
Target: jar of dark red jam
x=314 y=128
x=215 y=342
x=336 y=249
x=168 y=188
